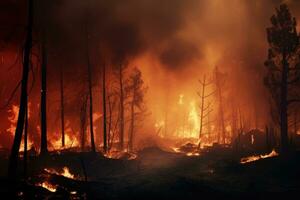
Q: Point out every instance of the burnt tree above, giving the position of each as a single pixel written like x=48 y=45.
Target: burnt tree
x=219 y=81
x=104 y=109
x=90 y=89
x=44 y=54
x=122 y=104
x=62 y=107
x=205 y=108
x=283 y=67
x=13 y=158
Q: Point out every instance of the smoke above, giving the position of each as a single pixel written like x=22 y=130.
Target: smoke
x=174 y=42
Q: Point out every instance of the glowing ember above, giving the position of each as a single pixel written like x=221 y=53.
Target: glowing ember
x=121 y=155
x=259 y=157
x=50 y=187
x=65 y=172
x=187 y=153
x=193 y=154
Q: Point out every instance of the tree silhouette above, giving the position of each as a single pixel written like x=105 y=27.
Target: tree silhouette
x=13 y=159
x=283 y=67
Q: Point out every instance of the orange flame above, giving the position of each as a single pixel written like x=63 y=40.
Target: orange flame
x=65 y=172
x=50 y=187
x=259 y=157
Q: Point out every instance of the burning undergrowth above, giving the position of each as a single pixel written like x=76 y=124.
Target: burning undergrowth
x=253 y=158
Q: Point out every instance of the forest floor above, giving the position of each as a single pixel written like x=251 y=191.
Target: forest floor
x=156 y=174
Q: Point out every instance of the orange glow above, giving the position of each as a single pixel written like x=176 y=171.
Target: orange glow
x=65 y=172
x=115 y=154
x=50 y=187
x=259 y=157
x=13 y=118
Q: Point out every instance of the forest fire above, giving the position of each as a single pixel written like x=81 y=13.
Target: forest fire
x=65 y=172
x=273 y=153
x=48 y=186
x=144 y=99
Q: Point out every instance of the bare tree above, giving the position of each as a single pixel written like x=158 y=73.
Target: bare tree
x=90 y=89
x=44 y=149
x=104 y=109
x=205 y=108
x=83 y=120
x=13 y=159
x=62 y=107
x=219 y=80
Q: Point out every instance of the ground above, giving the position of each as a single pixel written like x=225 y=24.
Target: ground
x=159 y=174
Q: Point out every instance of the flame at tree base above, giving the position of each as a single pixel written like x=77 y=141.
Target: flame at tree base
x=259 y=157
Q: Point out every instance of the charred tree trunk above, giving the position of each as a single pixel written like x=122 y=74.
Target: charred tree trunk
x=62 y=108
x=109 y=122
x=221 y=111
x=202 y=107
x=13 y=159
x=25 y=142
x=93 y=148
x=132 y=121
x=83 y=122
x=121 y=136
x=104 y=111
x=295 y=124
x=44 y=149
x=284 y=104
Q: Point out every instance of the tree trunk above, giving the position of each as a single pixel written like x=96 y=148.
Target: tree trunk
x=104 y=111
x=62 y=108
x=13 y=159
x=25 y=142
x=93 y=148
x=221 y=111
x=284 y=105
x=83 y=122
x=132 y=121
x=121 y=108
x=109 y=122
x=202 y=109
x=44 y=149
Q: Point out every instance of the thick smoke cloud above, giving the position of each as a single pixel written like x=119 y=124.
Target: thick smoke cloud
x=188 y=38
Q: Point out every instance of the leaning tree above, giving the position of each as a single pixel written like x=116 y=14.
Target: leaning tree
x=283 y=68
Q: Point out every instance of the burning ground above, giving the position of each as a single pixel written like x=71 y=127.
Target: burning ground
x=159 y=174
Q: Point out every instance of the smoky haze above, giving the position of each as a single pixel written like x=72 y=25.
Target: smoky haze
x=173 y=42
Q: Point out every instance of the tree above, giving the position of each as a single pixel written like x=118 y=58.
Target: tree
x=283 y=67
x=205 y=109
x=121 y=72
x=13 y=159
x=219 y=80
x=62 y=107
x=137 y=99
x=83 y=120
x=104 y=110
x=44 y=149
x=93 y=147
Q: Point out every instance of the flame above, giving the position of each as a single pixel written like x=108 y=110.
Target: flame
x=13 y=118
x=70 y=141
x=115 y=154
x=48 y=186
x=65 y=172
x=180 y=101
x=259 y=157
x=190 y=154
